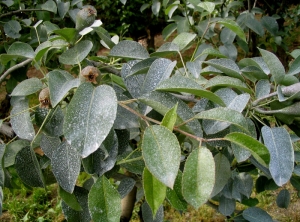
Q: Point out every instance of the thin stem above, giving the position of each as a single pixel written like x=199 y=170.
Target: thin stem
x=130 y=160
x=20 y=11
x=256 y=102
x=19 y=113
x=185 y=70
x=184 y=122
x=258 y=119
x=79 y=39
x=15 y=67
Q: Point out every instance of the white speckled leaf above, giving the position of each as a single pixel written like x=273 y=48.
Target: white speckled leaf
x=279 y=144
x=20 y=118
x=12 y=150
x=262 y=88
x=184 y=39
x=125 y=186
x=161 y=152
x=90 y=116
x=49 y=144
x=166 y=49
x=227 y=81
x=243 y=183
x=60 y=83
x=104 y=201
x=28 y=168
x=27 y=87
x=254 y=214
x=76 y=54
x=141 y=67
x=66 y=166
x=198 y=177
x=129 y=49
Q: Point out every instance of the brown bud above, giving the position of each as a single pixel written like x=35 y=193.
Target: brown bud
x=90 y=74
x=44 y=98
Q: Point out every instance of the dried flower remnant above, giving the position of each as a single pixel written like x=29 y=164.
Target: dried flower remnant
x=90 y=74
x=44 y=98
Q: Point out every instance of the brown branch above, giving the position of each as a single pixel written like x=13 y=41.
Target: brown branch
x=20 y=11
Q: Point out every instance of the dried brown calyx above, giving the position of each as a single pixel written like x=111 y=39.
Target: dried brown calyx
x=90 y=74
x=44 y=98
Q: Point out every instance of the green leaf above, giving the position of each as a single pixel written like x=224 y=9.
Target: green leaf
x=170 y=117
x=227 y=66
x=224 y=115
x=213 y=52
x=161 y=152
x=129 y=49
x=68 y=34
x=27 y=87
x=166 y=49
x=8 y=3
x=254 y=25
x=60 y=83
x=20 y=118
x=155 y=191
x=49 y=144
x=179 y=83
x=270 y=23
x=69 y=199
x=104 y=201
x=149 y=217
x=257 y=149
x=226 y=205
x=274 y=65
x=21 y=49
x=198 y=177
x=283 y=199
x=295 y=67
x=254 y=214
x=222 y=173
x=11 y=151
x=2 y=176
x=168 y=30
x=63 y=8
x=243 y=183
x=49 y=6
x=208 y=6
x=90 y=116
x=175 y=196
x=279 y=144
x=28 y=168
x=184 y=39
x=12 y=29
x=65 y=163
x=76 y=54
x=105 y=36
x=226 y=81
x=233 y=26
x=141 y=67
x=155 y=7
x=126 y=185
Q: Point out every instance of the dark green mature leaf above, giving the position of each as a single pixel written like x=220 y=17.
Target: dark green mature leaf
x=76 y=54
x=53 y=125
x=233 y=26
x=224 y=115
x=262 y=88
x=179 y=83
x=168 y=30
x=137 y=165
x=222 y=174
x=11 y=151
x=166 y=49
x=149 y=217
x=66 y=166
x=254 y=214
x=90 y=116
x=49 y=6
x=1 y=199
x=163 y=102
x=69 y=199
x=283 y=199
x=17 y=50
x=274 y=64
x=28 y=168
x=279 y=144
x=2 y=149
x=141 y=67
x=68 y=34
x=227 y=66
x=175 y=196
x=254 y=25
x=270 y=24
x=12 y=29
x=63 y=8
x=243 y=183
x=27 y=87
x=257 y=62
x=104 y=201
x=227 y=81
x=125 y=186
x=226 y=205
x=257 y=149
x=198 y=177
x=184 y=39
x=49 y=144
x=295 y=67
x=20 y=118
x=8 y=3
x=105 y=36
x=161 y=152
x=129 y=49
x=155 y=191
x=60 y=83
x=81 y=195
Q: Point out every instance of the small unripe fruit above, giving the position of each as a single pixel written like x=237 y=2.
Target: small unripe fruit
x=90 y=74
x=85 y=17
x=44 y=98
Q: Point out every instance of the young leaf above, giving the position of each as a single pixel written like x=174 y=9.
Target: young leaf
x=155 y=191
x=283 y=199
x=161 y=152
x=170 y=117
x=184 y=39
x=129 y=49
x=179 y=83
x=49 y=6
x=279 y=144
x=63 y=8
x=198 y=177
x=104 y=201
x=69 y=199
x=20 y=118
x=27 y=87
x=208 y=6
x=90 y=116
x=233 y=26
x=60 y=83
x=274 y=65
x=28 y=168
x=257 y=149
x=76 y=54
x=254 y=214
x=66 y=166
